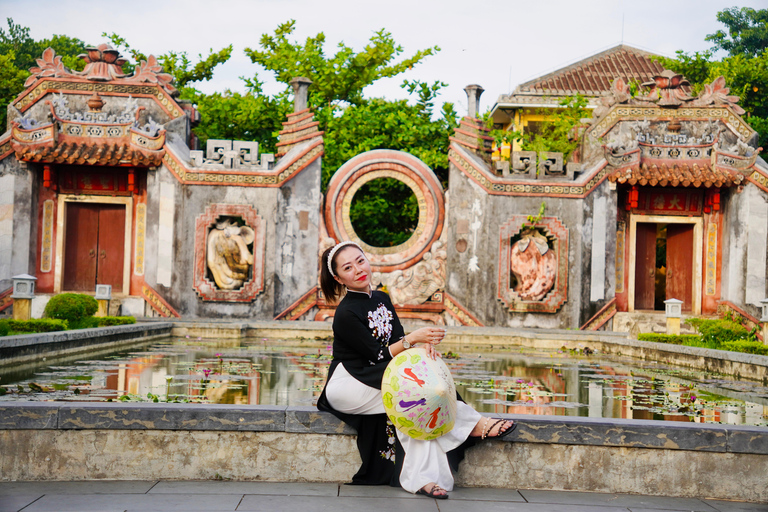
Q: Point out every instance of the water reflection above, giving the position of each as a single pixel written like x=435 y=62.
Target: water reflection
x=292 y=372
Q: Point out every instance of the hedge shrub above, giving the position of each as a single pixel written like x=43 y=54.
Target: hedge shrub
x=677 y=339
x=750 y=347
x=718 y=331
x=107 y=321
x=34 y=325
x=72 y=307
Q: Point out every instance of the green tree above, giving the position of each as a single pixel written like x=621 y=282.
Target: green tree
x=236 y=116
x=745 y=69
x=384 y=212
x=378 y=123
x=177 y=64
x=337 y=79
x=747 y=31
x=19 y=52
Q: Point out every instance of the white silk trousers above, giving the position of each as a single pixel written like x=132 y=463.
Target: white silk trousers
x=425 y=461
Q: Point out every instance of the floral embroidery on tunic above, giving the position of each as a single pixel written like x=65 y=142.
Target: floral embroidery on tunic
x=389 y=453
x=380 y=323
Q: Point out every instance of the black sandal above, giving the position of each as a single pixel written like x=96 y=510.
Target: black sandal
x=487 y=430
x=431 y=493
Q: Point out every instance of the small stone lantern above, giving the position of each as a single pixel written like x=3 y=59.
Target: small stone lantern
x=764 y=320
x=23 y=293
x=674 y=311
x=103 y=296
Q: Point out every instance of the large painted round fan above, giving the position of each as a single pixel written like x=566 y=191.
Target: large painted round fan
x=419 y=395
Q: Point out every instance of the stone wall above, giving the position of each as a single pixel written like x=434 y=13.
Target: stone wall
x=477 y=217
x=44 y=441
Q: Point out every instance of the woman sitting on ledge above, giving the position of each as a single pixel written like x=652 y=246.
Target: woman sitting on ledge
x=367 y=335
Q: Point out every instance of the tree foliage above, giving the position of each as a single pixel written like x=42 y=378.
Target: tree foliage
x=391 y=124
x=745 y=68
x=19 y=52
x=384 y=212
x=177 y=64
x=337 y=79
x=747 y=31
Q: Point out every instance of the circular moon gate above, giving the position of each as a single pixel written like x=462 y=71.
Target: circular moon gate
x=404 y=167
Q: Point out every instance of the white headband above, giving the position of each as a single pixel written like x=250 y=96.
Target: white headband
x=334 y=250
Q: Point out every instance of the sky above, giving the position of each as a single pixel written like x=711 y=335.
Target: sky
x=494 y=43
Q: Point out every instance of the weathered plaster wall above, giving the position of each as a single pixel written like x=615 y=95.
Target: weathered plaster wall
x=297 y=240
x=745 y=242
x=477 y=217
x=7 y=182
x=598 y=239
x=25 y=195
x=164 y=207
x=291 y=216
x=194 y=201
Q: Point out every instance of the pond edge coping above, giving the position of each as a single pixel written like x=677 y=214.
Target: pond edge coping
x=562 y=430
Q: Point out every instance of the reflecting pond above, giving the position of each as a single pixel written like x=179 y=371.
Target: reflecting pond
x=292 y=372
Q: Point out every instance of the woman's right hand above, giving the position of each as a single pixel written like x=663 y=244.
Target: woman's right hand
x=427 y=335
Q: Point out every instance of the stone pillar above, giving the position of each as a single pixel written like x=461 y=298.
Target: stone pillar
x=674 y=311
x=23 y=293
x=103 y=296
x=474 y=92
x=300 y=91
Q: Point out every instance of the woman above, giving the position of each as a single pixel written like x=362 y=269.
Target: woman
x=367 y=335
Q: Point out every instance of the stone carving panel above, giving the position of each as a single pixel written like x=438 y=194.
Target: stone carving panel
x=533 y=265
x=229 y=253
x=416 y=284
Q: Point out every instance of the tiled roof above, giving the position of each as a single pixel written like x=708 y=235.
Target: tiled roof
x=679 y=175
x=593 y=75
x=89 y=154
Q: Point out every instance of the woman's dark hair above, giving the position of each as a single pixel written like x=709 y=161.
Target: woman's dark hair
x=332 y=289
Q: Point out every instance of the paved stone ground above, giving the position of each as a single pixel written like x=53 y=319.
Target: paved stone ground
x=214 y=496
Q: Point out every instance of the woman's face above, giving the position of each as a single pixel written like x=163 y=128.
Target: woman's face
x=353 y=269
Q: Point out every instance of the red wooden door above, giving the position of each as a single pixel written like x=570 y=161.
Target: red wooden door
x=95 y=246
x=680 y=264
x=111 y=246
x=645 y=265
x=82 y=240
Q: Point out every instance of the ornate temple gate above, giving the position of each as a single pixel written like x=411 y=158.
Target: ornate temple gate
x=93 y=243
x=665 y=262
x=94 y=246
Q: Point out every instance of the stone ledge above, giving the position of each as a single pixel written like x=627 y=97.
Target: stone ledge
x=27 y=348
x=556 y=430
x=97 y=335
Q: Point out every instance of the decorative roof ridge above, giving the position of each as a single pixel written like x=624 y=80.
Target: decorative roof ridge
x=103 y=64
